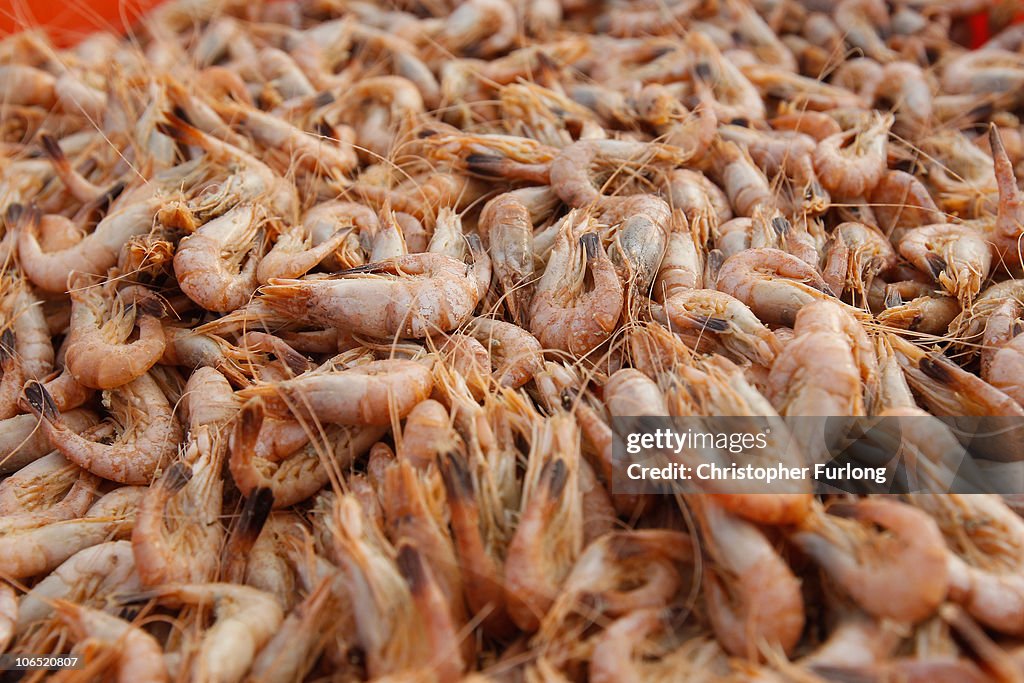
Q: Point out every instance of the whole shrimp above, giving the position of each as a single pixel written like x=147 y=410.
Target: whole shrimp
x=753 y=597
x=851 y=163
x=549 y=535
x=98 y=354
x=216 y=265
x=563 y=315
x=183 y=550
x=302 y=472
x=774 y=284
x=507 y=221
x=150 y=432
x=955 y=255
x=140 y=657
x=411 y=295
x=722 y=316
x=899 y=572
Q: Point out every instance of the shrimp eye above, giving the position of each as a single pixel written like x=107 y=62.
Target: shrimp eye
x=567 y=399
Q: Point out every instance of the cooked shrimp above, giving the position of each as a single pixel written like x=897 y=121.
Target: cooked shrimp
x=562 y=315
x=413 y=295
x=900 y=200
x=98 y=354
x=245 y=619
x=724 y=317
x=32 y=551
x=571 y=169
x=507 y=221
x=851 y=163
x=548 y=538
x=367 y=394
x=955 y=255
x=88 y=578
x=517 y=354
x=753 y=598
x=774 y=284
x=898 y=573
x=150 y=432
x=140 y=657
x=49 y=489
x=177 y=534
x=216 y=265
x=743 y=182
x=302 y=473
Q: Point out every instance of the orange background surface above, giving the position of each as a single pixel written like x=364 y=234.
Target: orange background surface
x=69 y=20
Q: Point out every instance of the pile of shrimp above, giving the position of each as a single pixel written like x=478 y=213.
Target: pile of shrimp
x=315 y=317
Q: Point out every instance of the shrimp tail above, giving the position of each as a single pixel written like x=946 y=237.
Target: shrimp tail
x=13 y=214
x=410 y=563
x=41 y=403
x=176 y=477
x=254 y=514
x=458 y=484
x=7 y=346
x=179 y=130
x=52 y=150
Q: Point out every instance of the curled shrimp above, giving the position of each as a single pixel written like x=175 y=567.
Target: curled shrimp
x=518 y=353
x=774 y=284
x=955 y=255
x=98 y=354
x=570 y=170
x=411 y=295
x=899 y=572
x=245 y=619
x=562 y=315
x=139 y=655
x=215 y=265
x=150 y=432
x=851 y=163
x=753 y=597
x=724 y=317
x=301 y=472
